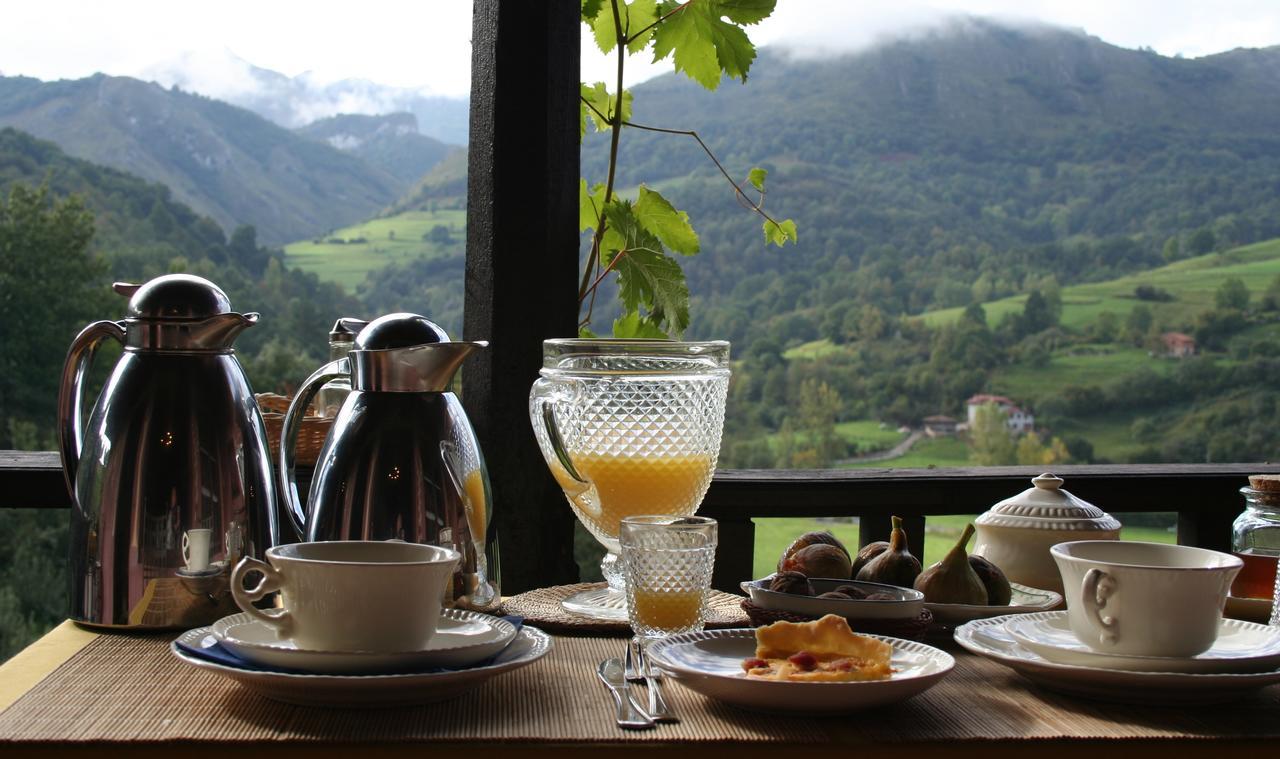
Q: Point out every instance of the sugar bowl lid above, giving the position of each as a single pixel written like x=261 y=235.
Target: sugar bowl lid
x=1046 y=506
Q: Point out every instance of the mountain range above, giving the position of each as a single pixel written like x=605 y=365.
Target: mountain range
x=955 y=166
x=225 y=162
x=300 y=100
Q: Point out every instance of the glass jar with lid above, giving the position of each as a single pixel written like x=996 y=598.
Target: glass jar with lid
x=341 y=339
x=1255 y=538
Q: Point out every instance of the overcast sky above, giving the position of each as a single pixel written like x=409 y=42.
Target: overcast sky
x=427 y=44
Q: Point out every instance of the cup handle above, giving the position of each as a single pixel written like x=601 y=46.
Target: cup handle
x=186 y=549
x=271 y=581
x=1096 y=590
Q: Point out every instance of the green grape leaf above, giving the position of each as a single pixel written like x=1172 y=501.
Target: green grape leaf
x=703 y=44
x=646 y=276
x=635 y=16
x=640 y=14
x=632 y=324
x=779 y=232
x=659 y=217
x=756 y=178
x=601 y=102
x=585 y=332
x=590 y=203
x=746 y=12
x=591 y=9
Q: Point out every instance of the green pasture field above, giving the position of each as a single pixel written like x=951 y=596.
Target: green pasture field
x=393 y=239
x=941 y=451
x=941 y=533
x=867 y=434
x=811 y=350
x=1192 y=282
x=1076 y=365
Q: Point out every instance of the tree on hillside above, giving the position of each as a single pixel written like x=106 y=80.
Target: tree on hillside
x=819 y=408
x=1138 y=323
x=1037 y=315
x=990 y=443
x=1232 y=294
x=1201 y=242
x=1032 y=451
x=52 y=287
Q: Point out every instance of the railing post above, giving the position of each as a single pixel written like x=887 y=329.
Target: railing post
x=522 y=263
x=735 y=553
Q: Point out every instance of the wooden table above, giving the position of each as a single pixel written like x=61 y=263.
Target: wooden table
x=75 y=692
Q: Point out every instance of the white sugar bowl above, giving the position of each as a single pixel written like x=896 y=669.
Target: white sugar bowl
x=1016 y=533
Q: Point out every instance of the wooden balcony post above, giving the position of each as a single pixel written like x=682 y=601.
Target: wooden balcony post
x=522 y=263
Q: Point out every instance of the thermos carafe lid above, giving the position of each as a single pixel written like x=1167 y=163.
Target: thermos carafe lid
x=175 y=296
x=406 y=353
x=399 y=331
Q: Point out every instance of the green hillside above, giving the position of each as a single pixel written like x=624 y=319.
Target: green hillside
x=1192 y=282
x=225 y=162
x=348 y=255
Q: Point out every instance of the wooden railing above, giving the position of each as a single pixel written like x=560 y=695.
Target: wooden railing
x=1204 y=496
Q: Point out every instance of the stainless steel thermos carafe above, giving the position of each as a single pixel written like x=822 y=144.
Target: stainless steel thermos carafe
x=170 y=474
x=401 y=461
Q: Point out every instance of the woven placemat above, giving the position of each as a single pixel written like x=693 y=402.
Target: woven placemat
x=121 y=689
x=542 y=608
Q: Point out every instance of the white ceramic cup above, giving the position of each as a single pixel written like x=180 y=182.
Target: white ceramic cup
x=350 y=595
x=1144 y=599
x=195 y=549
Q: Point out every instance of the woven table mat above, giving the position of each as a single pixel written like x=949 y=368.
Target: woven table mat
x=129 y=688
x=541 y=608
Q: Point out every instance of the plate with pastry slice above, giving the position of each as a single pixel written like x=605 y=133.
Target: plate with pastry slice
x=819 y=667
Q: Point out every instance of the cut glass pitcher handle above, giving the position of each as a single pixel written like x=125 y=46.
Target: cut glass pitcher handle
x=546 y=394
x=289 y=438
x=71 y=393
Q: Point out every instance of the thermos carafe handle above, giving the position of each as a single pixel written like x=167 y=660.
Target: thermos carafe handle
x=71 y=393
x=289 y=437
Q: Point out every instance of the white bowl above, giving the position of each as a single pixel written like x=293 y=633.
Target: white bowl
x=908 y=605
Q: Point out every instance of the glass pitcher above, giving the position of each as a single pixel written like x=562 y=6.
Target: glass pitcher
x=628 y=427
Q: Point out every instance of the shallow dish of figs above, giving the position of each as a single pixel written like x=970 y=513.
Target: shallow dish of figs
x=850 y=599
x=883 y=580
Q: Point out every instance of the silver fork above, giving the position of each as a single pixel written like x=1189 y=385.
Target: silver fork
x=638 y=670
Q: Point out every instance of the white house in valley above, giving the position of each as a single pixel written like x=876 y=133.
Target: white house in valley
x=1017 y=418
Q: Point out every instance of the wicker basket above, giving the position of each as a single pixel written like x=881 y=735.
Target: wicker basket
x=311 y=434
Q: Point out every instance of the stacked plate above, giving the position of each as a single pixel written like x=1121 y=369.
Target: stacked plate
x=467 y=649
x=1042 y=648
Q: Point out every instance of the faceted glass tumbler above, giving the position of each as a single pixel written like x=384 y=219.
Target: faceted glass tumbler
x=628 y=427
x=667 y=562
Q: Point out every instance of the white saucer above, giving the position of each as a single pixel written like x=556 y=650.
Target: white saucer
x=710 y=663
x=1241 y=647
x=463 y=638
x=989 y=638
x=366 y=691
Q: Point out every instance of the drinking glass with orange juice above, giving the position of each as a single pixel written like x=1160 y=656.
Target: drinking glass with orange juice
x=668 y=563
x=628 y=427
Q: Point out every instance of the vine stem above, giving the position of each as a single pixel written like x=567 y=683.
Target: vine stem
x=737 y=189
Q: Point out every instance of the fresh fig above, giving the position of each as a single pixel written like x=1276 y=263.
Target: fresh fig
x=999 y=593
x=806 y=540
x=835 y=595
x=895 y=565
x=852 y=591
x=820 y=560
x=868 y=552
x=952 y=580
x=794 y=583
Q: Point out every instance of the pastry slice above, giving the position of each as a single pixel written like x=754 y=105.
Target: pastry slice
x=825 y=650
